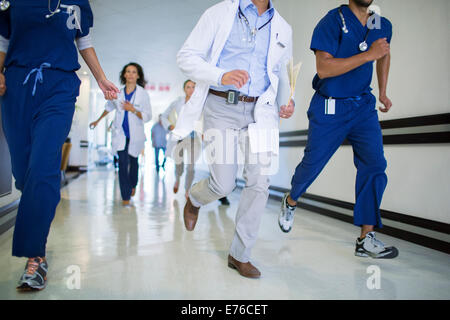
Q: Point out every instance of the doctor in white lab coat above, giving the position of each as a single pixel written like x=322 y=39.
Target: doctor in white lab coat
x=189 y=146
x=237 y=48
x=133 y=109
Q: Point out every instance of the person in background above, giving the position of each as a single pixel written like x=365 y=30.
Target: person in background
x=133 y=109
x=189 y=145
x=159 y=142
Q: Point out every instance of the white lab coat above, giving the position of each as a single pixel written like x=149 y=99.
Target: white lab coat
x=170 y=116
x=198 y=59
x=141 y=102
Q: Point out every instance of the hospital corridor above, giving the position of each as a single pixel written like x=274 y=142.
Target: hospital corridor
x=224 y=150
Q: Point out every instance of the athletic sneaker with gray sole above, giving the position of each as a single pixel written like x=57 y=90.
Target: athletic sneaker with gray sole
x=370 y=246
x=35 y=275
x=286 y=217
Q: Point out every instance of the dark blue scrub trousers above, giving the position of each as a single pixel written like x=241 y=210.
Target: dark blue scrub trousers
x=356 y=120
x=36 y=127
x=128 y=172
x=157 y=150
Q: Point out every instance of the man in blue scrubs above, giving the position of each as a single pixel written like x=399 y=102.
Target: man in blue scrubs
x=39 y=88
x=346 y=42
x=159 y=142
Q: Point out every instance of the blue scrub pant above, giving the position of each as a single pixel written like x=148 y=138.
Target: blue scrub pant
x=357 y=121
x=128 y=172
x=36 y=128
x=157 y=150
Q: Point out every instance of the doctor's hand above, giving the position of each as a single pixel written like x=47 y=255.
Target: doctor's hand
x=2 y=84
x=127 y=106
x=387 y=104
x=379 y=49
x=108 y=88
x=92 y=125
x=237 y=78
x=287 y=111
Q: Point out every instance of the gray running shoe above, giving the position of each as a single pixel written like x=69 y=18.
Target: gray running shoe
x=35 y=275
x=286 y=217
x=370 y=246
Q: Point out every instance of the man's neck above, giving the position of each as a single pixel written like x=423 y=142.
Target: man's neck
x=360 y=12
x=261 y=5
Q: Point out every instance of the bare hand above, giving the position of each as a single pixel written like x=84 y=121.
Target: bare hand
x=108 y=88
x=2 y=84
x=171 y=127
x=379 y=49
x=92 y=125
x=387 y=104
x=237 y=78
x=127 y=106
x=287 y=111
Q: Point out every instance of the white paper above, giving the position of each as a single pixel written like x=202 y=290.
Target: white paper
x=284 y=87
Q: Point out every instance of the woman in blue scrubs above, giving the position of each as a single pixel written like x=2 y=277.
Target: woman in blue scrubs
x=38 y=60
x=346 y=42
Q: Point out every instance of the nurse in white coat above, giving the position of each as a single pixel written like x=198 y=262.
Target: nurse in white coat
x=235 y=55
x=133 y=109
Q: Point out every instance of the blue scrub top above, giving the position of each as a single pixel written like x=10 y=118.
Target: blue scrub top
x=125 y=124
x=328 y=36
x=34 y=39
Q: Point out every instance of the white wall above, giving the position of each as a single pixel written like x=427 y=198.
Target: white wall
x=419 y=178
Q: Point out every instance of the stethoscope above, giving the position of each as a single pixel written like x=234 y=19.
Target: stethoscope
x=4 y=5
x=254 y=30
x=363 y=46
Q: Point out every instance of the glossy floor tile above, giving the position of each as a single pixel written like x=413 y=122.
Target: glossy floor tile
x=98 y=249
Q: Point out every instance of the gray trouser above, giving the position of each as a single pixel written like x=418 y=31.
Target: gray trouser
x=230 y=123
x=192 y=148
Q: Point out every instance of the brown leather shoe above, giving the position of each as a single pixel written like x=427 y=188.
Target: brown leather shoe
x=245 y=269
x=190 y=215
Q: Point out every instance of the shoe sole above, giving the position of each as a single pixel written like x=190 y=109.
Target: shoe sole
x=25 y=287
x=391 y=255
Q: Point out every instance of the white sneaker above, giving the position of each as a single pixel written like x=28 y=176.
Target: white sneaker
x=370 y=246
x=286 y=217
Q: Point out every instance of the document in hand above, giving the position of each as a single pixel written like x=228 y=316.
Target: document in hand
x=173 y=117
x=288 y=82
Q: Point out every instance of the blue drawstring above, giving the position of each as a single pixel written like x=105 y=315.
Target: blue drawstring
x=39 y=76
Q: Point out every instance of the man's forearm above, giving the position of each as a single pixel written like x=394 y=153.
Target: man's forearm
x=90 y=57
x=2 y=60
x=383 y=66
x=328 y=67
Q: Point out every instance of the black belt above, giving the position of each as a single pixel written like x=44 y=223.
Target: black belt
x=241 y=97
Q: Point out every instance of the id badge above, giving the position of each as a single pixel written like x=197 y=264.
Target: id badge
x=330 y=106
x=232 y=97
